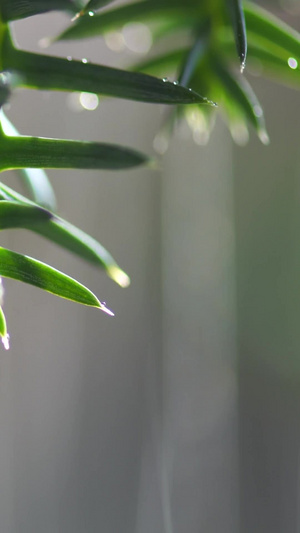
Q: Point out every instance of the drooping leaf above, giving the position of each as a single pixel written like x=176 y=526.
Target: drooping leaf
x=70 y=238
x=265 y=28
x=242 y=94
x=37 y=152
x=239 y=29
x=18 y=9
x=194 y=55
x=36 y=180
x=142 y=11
x=52 y=73
x=23 y=268
x=13 y=215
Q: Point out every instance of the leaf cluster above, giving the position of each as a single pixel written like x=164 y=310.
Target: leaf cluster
x=204 y=45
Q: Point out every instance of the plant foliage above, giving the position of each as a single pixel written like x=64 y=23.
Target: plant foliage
x=214 y=41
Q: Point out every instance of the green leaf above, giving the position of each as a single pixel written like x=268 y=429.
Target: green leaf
x=36 y=180
x=13 y=215
x=17 y=9
x=239 y=29
x=243 y=96
x=23 y=268
x=143 y=11
x=268 y=30
x=3 y=330
x=71 y=238
x=52 y=73
x=195 y=54
x=37 y=152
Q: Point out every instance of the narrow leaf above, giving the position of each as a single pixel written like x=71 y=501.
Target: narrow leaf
x=143 y=11
x=13 y=215
x=36 y=180
x=71 y=238
x=23 y=268
x=37 y=152
x=239 y=29
x=270 y=30
x=52 y=73
x=194 y=55
x=242 y=94
x=18 y=9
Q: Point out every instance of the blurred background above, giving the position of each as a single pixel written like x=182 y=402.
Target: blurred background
x=181 y=414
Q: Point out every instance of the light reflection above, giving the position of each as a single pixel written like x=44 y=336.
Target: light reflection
x=292 y=63
x=137 y=37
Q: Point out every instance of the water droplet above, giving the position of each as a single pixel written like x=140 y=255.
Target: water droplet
x=84 y=60
x=242 y=68
x=190 y=89
x=91 y=13
x=292 y=63
x=175 y=82
x=165 y=79
x=69 y=58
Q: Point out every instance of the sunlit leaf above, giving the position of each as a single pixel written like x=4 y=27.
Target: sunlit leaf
x=3 y=330
x=70 y=238
x=36 y=180
x=13 y=215
x=28 y=270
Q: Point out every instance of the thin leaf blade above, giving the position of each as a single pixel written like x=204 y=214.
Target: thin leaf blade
x=28 y=270
x=13 y=215
x=20 y=152
x=52 y=73
x=239 y=29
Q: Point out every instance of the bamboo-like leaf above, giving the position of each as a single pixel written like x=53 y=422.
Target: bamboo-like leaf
x=239 y=29
x=242 y=94
x=142 y=11
x=70 y=238
x=13 y=215
x=3 y=330
x=36 y=180
x=28 y=270
x=194 y=55
x=18 y=9
x=52 y=73
x=270 y=30
x=277 y=64
x=37 y=152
